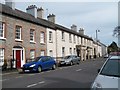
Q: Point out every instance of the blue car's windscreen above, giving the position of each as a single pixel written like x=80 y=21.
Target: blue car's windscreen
x=36 y=59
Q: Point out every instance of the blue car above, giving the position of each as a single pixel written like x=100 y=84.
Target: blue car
x=39 y=64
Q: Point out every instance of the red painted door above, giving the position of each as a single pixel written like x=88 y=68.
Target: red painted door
x=18 y=58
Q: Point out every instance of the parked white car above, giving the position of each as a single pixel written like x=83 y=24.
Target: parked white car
x=109 y=75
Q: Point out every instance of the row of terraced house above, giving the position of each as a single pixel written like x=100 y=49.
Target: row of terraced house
x=26 y=35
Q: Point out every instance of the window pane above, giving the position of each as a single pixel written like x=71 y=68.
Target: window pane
x=42 y=37
x=1 y=56
x=63 y=51
x=32 y=54
x=31 y=35
x=42 y=53
x=1 y=29
x=51 y=53
x=18 y=32
x=62 y=35
x=70 y=50
x=50 y=36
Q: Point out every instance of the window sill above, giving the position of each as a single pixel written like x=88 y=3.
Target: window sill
x=18 y=40
x=33 y=42
x=42 y=43
x=50 y=41
x=63 y=40
x=2 y=38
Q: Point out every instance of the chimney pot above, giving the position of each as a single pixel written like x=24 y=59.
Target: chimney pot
x=81 y=31
x=74 y=27
x=40 y=12
x=51 y=18
x=10 y=3
x=32 y=9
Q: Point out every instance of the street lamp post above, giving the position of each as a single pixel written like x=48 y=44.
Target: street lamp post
x=97 y=35
x=97 y=40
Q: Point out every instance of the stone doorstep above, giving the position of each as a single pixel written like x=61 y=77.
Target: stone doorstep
x=19 y=70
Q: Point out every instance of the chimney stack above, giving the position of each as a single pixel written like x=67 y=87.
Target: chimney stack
x=74 y=27
x=51 y=18
x=10 y=3
x=32 y=9
x=40 y=13
x=81 y=31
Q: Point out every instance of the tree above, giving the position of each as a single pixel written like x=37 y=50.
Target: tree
x=112 y=47
x=116 y=31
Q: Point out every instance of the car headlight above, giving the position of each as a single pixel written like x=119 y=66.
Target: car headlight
x=32 y=65
x=96 y=86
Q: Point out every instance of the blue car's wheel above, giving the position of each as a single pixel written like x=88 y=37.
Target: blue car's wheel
x=39 y=69
x=54 y=67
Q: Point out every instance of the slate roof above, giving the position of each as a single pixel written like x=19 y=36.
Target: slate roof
x=27 y=17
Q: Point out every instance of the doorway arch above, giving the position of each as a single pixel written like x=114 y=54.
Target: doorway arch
x=18 y=56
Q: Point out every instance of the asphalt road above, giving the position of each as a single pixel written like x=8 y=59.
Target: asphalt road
x=76 y=76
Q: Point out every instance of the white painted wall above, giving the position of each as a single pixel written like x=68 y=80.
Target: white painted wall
x=66 y=43
x=58 y=43
x=51 y=45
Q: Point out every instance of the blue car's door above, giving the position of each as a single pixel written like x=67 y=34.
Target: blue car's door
x=47 y=63
x=50 y=62
x=43 y=63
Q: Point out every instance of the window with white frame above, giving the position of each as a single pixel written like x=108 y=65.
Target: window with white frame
x=63 y=35
x=74 y=39
x=42 y=37
x=18 y=32
x=70 y=38
x=78 y=39
x=42 y=53
x=82 y=41
x=70 y=50
x=32 y=54
x=51 y=53
x=32 y=35
x=63 y=51
x=2 y=30
x=50 y=36
x=74 y=51
x=1 y=56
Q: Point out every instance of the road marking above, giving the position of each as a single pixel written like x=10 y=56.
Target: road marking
x=32 y=85
x=41 y=82
x=78 y=70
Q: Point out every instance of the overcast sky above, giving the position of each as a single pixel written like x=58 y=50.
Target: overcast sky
x=88 y=15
